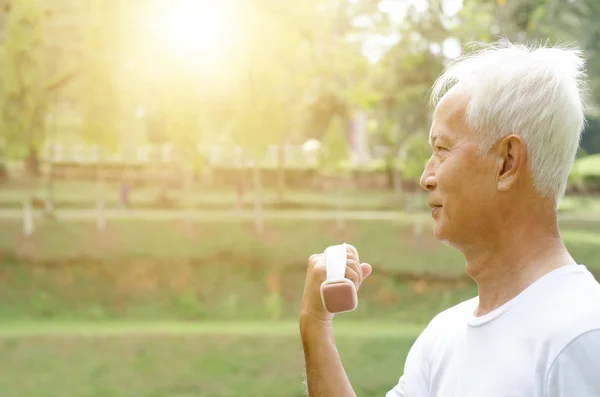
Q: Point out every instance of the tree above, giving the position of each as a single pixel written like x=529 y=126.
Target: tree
x=183 y=112
x=415 y=153
x=388 y=135
x=270 y=99
x=259 y=123
x=401 y=80
x=543 y=22
x=338 y=70
x=333 y=157
x=99 y=98
x=23 y=99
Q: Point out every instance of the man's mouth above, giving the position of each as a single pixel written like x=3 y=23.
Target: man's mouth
x=434 y=208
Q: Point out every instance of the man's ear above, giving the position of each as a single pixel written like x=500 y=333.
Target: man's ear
x=512 y=161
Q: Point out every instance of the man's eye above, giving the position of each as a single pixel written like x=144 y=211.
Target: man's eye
x=438 y=148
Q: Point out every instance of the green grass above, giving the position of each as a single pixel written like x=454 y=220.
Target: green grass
x=386 y=244
x=167 y=363
x=79 y=194
x=213 y=271
x=169 y=308
x=146 y=290
x=83 y=195
x=170 y=270
x=284 y=242
x=343 y=327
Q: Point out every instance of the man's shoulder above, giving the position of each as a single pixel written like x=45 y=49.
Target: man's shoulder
x=455 y=314
x=576 y=316
x=570 y=317
x=574 y=306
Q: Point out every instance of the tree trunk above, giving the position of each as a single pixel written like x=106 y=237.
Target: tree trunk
x=189 y=184
x=418 y=225
x=207 y=175
x=3 y=170
x=163 y=194
x=390 y=174
x=398 y=187
x=49 y=204
x=100 y=215
x=281 y=174
x=32 y=163
x=258 y=214
x=31 y=170
x=27 y=214
x=240 y=187
x=339 y=211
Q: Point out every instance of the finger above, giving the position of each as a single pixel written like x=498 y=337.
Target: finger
x=352 y=256
x=315 y=259
x=351 y=249
x=316 y=266
x=352 y=276
x=366 y=270
x=354 y=266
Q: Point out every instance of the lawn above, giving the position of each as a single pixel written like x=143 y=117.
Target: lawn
x=83 y=195
x=213 y=271
x=385 y=243
x=78 y=194
x=178 y=361
x=173 y=307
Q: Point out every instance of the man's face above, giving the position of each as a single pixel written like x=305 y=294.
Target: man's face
x=461 y=183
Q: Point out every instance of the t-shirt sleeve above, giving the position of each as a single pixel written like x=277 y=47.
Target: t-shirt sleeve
x=398 y=390
x=576 y=370
x=415 y=380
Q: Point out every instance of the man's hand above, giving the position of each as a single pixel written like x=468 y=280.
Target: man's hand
x=312 y=306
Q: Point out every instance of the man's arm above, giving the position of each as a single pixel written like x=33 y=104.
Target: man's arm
x=325 y=375
x=576 y=370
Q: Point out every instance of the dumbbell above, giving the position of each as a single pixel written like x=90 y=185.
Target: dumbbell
x=338 y=293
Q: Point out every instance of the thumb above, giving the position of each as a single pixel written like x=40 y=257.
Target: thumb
x=366 y=269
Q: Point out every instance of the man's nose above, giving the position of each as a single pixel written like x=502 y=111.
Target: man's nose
x=428 y=181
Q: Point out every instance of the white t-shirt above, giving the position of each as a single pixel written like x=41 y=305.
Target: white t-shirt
x=545 y=342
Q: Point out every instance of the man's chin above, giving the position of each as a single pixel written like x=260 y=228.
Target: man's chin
x=444 y=239
x=439 y=234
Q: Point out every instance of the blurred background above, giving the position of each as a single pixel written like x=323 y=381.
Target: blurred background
x=167 y=167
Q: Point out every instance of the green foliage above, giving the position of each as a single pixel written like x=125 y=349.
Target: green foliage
x=538 y=21
x=337 y=71
x=404 y=76
x=416 y=154
x=334 y=149
x=23 y=97
x=294 y=69
x=588 y=166
x=590 y=141
x=99 y=95
x=182 y=115
x=475 y=22
x=260 y=119
x=269 y=101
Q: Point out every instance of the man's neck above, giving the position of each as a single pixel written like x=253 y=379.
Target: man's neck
x=512 y=261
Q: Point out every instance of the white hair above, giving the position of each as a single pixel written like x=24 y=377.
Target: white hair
x=533 y=92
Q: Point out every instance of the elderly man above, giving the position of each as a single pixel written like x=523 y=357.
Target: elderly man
x=504 y=137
